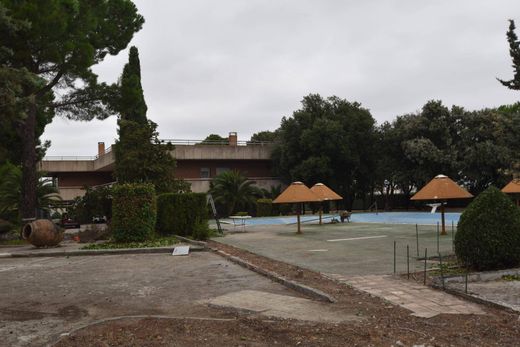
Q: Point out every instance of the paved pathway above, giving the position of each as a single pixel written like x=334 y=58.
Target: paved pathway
x=421 y=300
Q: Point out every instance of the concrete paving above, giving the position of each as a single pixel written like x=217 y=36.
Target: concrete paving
x=40 y=298
x=421 y=300
x=282 y=306
x=344 y=248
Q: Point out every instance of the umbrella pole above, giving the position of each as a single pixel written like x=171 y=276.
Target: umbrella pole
x=298 y=219
x=321 y=212
x=443 y=232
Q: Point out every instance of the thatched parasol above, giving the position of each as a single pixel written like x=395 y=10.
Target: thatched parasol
x=296 y=193
x=325 y=194
x=441 y=188
x=513 y=188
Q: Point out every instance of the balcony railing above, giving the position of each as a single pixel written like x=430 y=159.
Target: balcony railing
x=180 y=142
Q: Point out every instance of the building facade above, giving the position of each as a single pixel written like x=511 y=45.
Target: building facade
x=197 y=163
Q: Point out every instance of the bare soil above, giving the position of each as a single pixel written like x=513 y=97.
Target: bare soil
x=383 y=324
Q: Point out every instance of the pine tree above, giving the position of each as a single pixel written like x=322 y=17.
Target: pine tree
x=514 y=52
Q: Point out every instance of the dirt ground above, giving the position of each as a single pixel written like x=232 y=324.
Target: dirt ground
x=381 y=323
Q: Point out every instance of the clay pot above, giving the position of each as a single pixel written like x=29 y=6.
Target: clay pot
x=42 y=232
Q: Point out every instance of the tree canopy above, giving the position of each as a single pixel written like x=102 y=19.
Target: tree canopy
x=327 y=140
x=514 y=52
x=47 y=50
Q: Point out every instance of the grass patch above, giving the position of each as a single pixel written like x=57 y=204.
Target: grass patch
x=157 y=242
x=17 y=242
x=511 y=277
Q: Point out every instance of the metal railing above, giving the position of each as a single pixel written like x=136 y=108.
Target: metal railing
x=181 y=142
x=213 y=142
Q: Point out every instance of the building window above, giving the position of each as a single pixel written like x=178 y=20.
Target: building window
x=221 y=170
x=204 y=172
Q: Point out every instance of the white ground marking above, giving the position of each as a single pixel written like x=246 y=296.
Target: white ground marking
x=358 y=238
x=318 y=250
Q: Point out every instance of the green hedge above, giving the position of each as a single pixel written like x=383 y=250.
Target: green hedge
x=264 y=207
x=180 y=213
x=134 y=212
x=488 y=233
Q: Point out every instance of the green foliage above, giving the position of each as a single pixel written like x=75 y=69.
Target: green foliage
x=327 y=140
x=215 y=139
x=153 y=243
x=11 y=193
x=511 y=277
x=488 y=233
x=49 y=48
x=179 y=214
x=232 y=190
x=97 y=202
x=140 y=155
x=132 y=106
x=201 y=231
x=514 y=52
x=5 y=226
x=134 y=212
x=264 y=207
x=241 y=214
x=263 y=136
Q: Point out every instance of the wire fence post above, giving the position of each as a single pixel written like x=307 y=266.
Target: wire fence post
x=417 y=238
x=452 y=236
x=425 y=258
x=394 y=256
x=442 y=272
x=407 y=261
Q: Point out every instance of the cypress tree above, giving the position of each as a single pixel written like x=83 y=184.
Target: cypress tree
x=140 y=156
x=514 y=52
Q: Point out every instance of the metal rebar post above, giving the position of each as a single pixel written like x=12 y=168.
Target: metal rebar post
x=425 y=258
x=407 y=261
x=417 y=238
x=442 y=272
x=394 y=256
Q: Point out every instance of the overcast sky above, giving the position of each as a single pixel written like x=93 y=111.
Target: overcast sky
x=221 y=66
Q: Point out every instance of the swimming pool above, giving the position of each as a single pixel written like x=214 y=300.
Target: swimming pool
x=422 y=218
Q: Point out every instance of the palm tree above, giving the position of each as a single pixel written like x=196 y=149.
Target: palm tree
x=11 y=192
x=233 y=190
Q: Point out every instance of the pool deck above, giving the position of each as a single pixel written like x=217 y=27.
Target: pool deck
x=349 y=249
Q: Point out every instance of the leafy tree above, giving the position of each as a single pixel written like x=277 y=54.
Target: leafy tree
x=263 y=136
x=215 y=139
x=514 y=52
x=233 y=190
x=55 y=48
x=140 y=155
x=96 y=202
x=328 y=140
x=11 y=193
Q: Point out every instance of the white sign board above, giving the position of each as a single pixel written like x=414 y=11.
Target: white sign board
x=181 y=250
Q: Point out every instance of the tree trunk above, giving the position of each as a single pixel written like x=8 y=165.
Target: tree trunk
x=27 y=132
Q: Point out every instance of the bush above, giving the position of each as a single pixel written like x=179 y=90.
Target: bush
x=5 y=226
x=264 y=207
x=488 y=234
x=178 y=214
x=134 y=212
x=201 y=231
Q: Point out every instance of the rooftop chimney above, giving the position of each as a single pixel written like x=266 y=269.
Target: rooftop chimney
x=233 y=139
x=100 y=148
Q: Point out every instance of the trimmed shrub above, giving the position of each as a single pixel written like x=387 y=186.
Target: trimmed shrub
x=488 y=234
x=201 y=231
x=178 y=213
x=264 y=207
x=134 y=212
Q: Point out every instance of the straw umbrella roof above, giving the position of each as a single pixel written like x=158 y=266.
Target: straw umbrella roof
x=441 y=188
x=296 y=192
x=512 y=187
x=324 y=192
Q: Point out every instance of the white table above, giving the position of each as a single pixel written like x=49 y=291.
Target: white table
x=240 y=221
